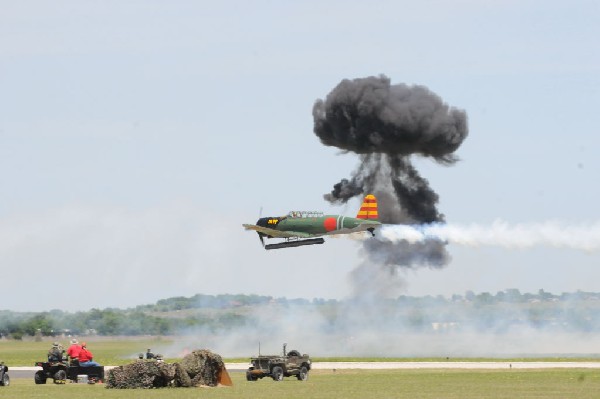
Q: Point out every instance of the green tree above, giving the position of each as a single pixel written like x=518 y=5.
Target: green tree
x=40 y=322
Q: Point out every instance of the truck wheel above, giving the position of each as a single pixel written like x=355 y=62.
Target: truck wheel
x=40 y=377
x=250 y=377
x=5 y=380
x=277 y=373
x=303 y=374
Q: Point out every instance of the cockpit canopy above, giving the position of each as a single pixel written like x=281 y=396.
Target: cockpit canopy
x=304 y=214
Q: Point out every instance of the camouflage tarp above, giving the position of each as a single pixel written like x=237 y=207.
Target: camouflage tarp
x=141 y=374
x=182 y=379
x=201 y=367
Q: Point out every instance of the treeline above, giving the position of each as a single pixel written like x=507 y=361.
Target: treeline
x=161 y=318
x=108 y=322
x=214 y=313
x=205 y=301
x=104 y=322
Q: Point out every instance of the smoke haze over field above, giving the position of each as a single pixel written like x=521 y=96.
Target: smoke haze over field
x=420 y=329
x=517 y=342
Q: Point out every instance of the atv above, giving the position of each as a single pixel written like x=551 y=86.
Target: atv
x=61 y=371
x=277 y=367
x=55 y=370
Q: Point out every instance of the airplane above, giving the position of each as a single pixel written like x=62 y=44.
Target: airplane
x=300 y=228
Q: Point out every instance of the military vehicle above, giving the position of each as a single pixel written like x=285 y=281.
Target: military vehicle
x=4 y=378
x=277 y=366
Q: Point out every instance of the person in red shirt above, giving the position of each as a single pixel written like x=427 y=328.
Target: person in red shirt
x=74 y=350
x=86 y=357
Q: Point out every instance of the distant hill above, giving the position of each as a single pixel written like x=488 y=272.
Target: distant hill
x=577 y=311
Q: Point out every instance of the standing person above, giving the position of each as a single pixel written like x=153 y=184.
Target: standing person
x=86 y=359
x=73 y=351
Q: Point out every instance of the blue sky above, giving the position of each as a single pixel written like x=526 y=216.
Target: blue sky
x=137 y=136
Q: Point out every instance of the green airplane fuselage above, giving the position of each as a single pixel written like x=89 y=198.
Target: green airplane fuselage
x=298 y=222
x=307 y=228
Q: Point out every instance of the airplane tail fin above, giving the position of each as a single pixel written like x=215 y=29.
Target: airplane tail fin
x=368 y=209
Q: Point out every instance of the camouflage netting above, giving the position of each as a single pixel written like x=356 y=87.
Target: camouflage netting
x=141 y=374
x=201 y=367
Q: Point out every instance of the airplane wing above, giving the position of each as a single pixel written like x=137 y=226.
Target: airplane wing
x=276 y=233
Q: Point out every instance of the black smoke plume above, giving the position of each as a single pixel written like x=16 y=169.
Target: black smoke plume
x=385 y=124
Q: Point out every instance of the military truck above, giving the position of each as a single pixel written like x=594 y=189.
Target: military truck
x=277 y=366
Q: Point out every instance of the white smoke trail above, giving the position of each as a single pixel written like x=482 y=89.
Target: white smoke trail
x=584 y=237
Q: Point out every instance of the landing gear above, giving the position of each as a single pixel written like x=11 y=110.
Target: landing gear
x=262 y=240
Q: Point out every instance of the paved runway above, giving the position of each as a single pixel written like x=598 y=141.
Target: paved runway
x=452 y=365
x=28 y=372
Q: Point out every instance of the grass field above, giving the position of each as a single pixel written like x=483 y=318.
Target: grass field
x=463 y=384
x=547 y=384
x=114 y=352
x=119 y=351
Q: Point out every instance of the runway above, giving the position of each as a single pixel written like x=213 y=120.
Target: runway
x=450 y=365
x=28 y=372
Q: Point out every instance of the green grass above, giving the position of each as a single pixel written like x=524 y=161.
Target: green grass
x=413 y=384
x=107 y=351
x=118 y=351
